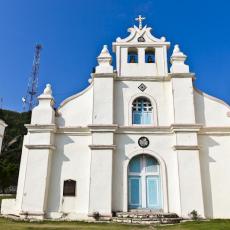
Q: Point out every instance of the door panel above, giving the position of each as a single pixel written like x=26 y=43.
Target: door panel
x=134 y=192
x=153 y=192
x=144 y=185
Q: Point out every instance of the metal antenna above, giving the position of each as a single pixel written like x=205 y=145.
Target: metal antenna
x=31 y=97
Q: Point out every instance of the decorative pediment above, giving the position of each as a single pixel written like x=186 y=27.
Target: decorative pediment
x=140 y=35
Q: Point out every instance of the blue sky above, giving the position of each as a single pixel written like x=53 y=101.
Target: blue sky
x=73 y=32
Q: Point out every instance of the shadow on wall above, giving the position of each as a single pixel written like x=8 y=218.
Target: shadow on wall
x=205 y=162
x=59 y=119
x=119 y=115
x=56 y=184
x=117 y=189
x=199 y=111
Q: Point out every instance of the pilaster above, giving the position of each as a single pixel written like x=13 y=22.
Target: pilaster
x=102 y=149
x=38 y=149
x=102 y=131
x=189 y=184
x=188 y=165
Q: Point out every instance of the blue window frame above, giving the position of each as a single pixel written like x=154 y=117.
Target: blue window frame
x=142 y=111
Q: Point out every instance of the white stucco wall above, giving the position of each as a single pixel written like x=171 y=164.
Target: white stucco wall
x=161 y=148
x=71 y=160
x=211 y=111
x=215 y=171
x=76 y=110
x=22 y=174
x=160 y=94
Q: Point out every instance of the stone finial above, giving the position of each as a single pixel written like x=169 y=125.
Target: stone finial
x=47 y=93
x=47 y=90
x=177 y=51
x=104 y=55
x=104 y=61
x=44 y=113
x=177 y=60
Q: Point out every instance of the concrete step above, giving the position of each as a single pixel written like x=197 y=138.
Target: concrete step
x=147 y=217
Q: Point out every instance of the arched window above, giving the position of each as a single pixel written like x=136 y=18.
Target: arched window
x=69 y=188
x=149 y=55
x=142 y=111
x=132 y=55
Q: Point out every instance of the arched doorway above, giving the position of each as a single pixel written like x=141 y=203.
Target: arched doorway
x=144 y=184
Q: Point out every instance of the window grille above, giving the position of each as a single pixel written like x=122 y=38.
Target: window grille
x=142 y=111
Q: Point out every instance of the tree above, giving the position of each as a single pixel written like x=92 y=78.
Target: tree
x=12 y=146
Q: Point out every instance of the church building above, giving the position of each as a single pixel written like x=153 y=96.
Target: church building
x=3 y=125
x=139 y=137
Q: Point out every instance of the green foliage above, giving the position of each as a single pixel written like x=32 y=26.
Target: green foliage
x=12 y=146
x=7 y=224
x=194 y=215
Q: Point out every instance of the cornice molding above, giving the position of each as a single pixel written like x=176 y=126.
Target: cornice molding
x=103 y=75
x=74 y=130
x=144 y=129
x=144 y=78
x=186 y=127
x=41 y=128
x=103 y=128
x=144 y=44
x=182 y=75
x=148 y=129
x=40 y=147
x=97 y=147
x=186 y=147
x=224 y=130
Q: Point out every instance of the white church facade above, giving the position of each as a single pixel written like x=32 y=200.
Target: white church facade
x=3 y=125
x=139 y=137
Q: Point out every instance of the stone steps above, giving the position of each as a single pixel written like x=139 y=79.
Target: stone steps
x=146 y=217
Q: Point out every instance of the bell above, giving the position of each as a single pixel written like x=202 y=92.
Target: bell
x=150 y=59
x=132 y=59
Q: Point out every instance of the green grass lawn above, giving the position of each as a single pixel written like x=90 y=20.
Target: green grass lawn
x=6 y=224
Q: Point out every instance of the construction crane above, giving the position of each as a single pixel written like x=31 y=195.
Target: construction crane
x=30 y=100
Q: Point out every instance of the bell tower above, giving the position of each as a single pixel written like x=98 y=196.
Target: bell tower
x=141 y=54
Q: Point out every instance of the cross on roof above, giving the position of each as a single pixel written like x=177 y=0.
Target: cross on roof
x=140 y=19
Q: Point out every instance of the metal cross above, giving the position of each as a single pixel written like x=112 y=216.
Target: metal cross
x=140 y=19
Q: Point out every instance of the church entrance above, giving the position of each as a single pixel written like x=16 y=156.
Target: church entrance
x=144 y=186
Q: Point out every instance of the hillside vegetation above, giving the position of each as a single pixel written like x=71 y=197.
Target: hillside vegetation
x=12 y=146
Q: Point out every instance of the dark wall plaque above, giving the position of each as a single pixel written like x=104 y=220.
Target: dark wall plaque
x=69 y=188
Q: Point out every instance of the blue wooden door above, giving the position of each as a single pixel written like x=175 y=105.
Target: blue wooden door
x=153 y=192
x=134 y=192
x=144 y=186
